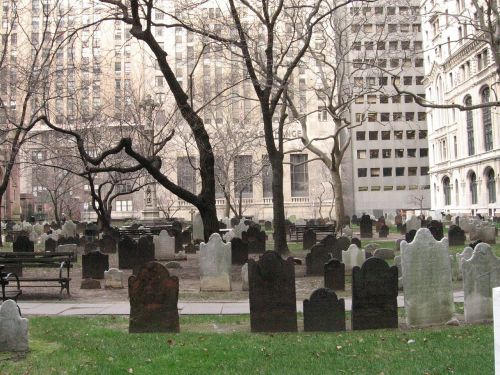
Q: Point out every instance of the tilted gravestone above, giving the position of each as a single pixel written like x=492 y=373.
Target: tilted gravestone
x=316 y=259
x=273 y=306
x=94 y=264
x=13 y=328
x=309 y=239
x=215 y=264
x=324 y=312
x=353 y=257
x=334 y=275
x=23 y=244
x=153 y=300
x=374 y=295
x=481 y=273
x=239 y=251
x=50 y=244
x=256 y=240
x=427 y=280
x=366 y=226
x=456 y=236
x=436 y=228
x=107 y=244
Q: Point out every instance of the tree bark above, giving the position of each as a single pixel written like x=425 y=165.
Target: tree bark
x=208 y=214
x=339 y=198
x=280 y=244
x=1 y=241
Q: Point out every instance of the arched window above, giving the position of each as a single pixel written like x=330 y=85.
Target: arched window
x=470 y=127
x=487 y=128
x=457 y=196
x=473 y=188
x=446 y=191
x=492 y=191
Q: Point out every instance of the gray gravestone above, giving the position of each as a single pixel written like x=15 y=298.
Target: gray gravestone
x=13 y=328
x=215 y=264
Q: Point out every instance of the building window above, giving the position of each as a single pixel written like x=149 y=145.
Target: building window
x=299 y=175
x=374 y=172
x=361 y=154
x=373 y=135
x=490 y=182
x=488 y=135
x=386 y=153
x=362 y=172
x=360 y=136
x=473 y=188
x=446 y=191
x=424 y=171
x=400 y=171
x=400 y=153
x=412 y=171
x=124 y=206
x=470 y=127
x=385 y=135
x=267 y=177
x=186 y=174
x=387 y=172
x=373 y=154
x=243 y=178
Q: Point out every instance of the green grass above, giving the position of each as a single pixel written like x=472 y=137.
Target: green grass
x=223 y=345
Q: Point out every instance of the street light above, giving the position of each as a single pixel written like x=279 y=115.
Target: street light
x=150 y=210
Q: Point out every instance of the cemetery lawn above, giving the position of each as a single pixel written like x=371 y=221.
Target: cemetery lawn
x=224 y=345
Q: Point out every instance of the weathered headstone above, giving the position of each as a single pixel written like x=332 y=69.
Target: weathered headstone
x=153 y=300
x=461 y=257
x=436 y=228
x=107 y=244
x=316 y=259
x=366 y=226
x=309 y=239
x=456 y=236
x=23 y=244
x=384 y=253
x=90 y=284
x=13 y=328
x=244 y=277
x=413 y=223
x=384 y=231
x=198 y=229
x=341 y=244
x=356 y=241
x=113 y=278
x=239 y=251
x=256 y=240
x=68 y=248
x=374 y=295
x=427 y=279
x=409 y=236
x=334 y=275
x=94 y=264
x=50 y=244
x=131 y=255
x=240 y=228
x=273 y=305
x=481 y=273
x=164 y=246
x=380 y=222
x=352 y=257
x=215 y=264
x=324 y=312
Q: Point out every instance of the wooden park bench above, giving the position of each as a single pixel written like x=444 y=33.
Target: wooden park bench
x=20 y=260
x=5 y=279
x=297 y=231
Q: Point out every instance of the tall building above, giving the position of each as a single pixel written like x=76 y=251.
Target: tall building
x=465 y=145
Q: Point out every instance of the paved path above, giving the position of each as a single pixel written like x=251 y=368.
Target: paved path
x=185 y=308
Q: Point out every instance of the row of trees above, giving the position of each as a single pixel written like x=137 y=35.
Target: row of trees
x=268 y=45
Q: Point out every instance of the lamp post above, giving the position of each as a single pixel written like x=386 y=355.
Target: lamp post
x=150 y=210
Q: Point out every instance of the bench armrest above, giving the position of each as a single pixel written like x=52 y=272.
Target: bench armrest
x=9 y=275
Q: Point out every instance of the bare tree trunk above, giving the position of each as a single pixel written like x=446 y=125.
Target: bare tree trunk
x=339 y=198
x=209 y=217
x=280 y=244
x=1 y=242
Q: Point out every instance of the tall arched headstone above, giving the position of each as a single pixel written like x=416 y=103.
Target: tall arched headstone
x=215 y=264
x=324 y=312
x=198 y=230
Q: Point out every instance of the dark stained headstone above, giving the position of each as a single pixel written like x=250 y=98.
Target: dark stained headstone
x=268 y=225
x=190 y=248
x=334 y=274
x=379 y=223
x=186 y=236
x=355 y=219
x=341 y=244
x=153 y=300
x=239 y=251
x=324 y=312
x=23 y=244
x=366 y=226
x=127 y=253
x=374 y=295
x=107 y=244
x=309 y=239
x=410 y=235
x=50 y=245
x=356 y=241
x=456 y=236
x=436 y=228
x=94 y=264
x=330 y=243
x=316 y=259
x=383 y=231
x=256 y=239
x=273 y=306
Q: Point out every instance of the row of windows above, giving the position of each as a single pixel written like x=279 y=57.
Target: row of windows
x=384 y=81
x=390 y=11
x=385 y=135
x=393 y=45
x=395 y=99
x=386 y=116
x=393 y=63
x=398 y=187
x=398 y=172
x=490 y=187
x=398 y=153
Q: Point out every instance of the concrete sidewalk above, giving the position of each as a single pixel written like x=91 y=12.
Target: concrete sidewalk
x=185 y=308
